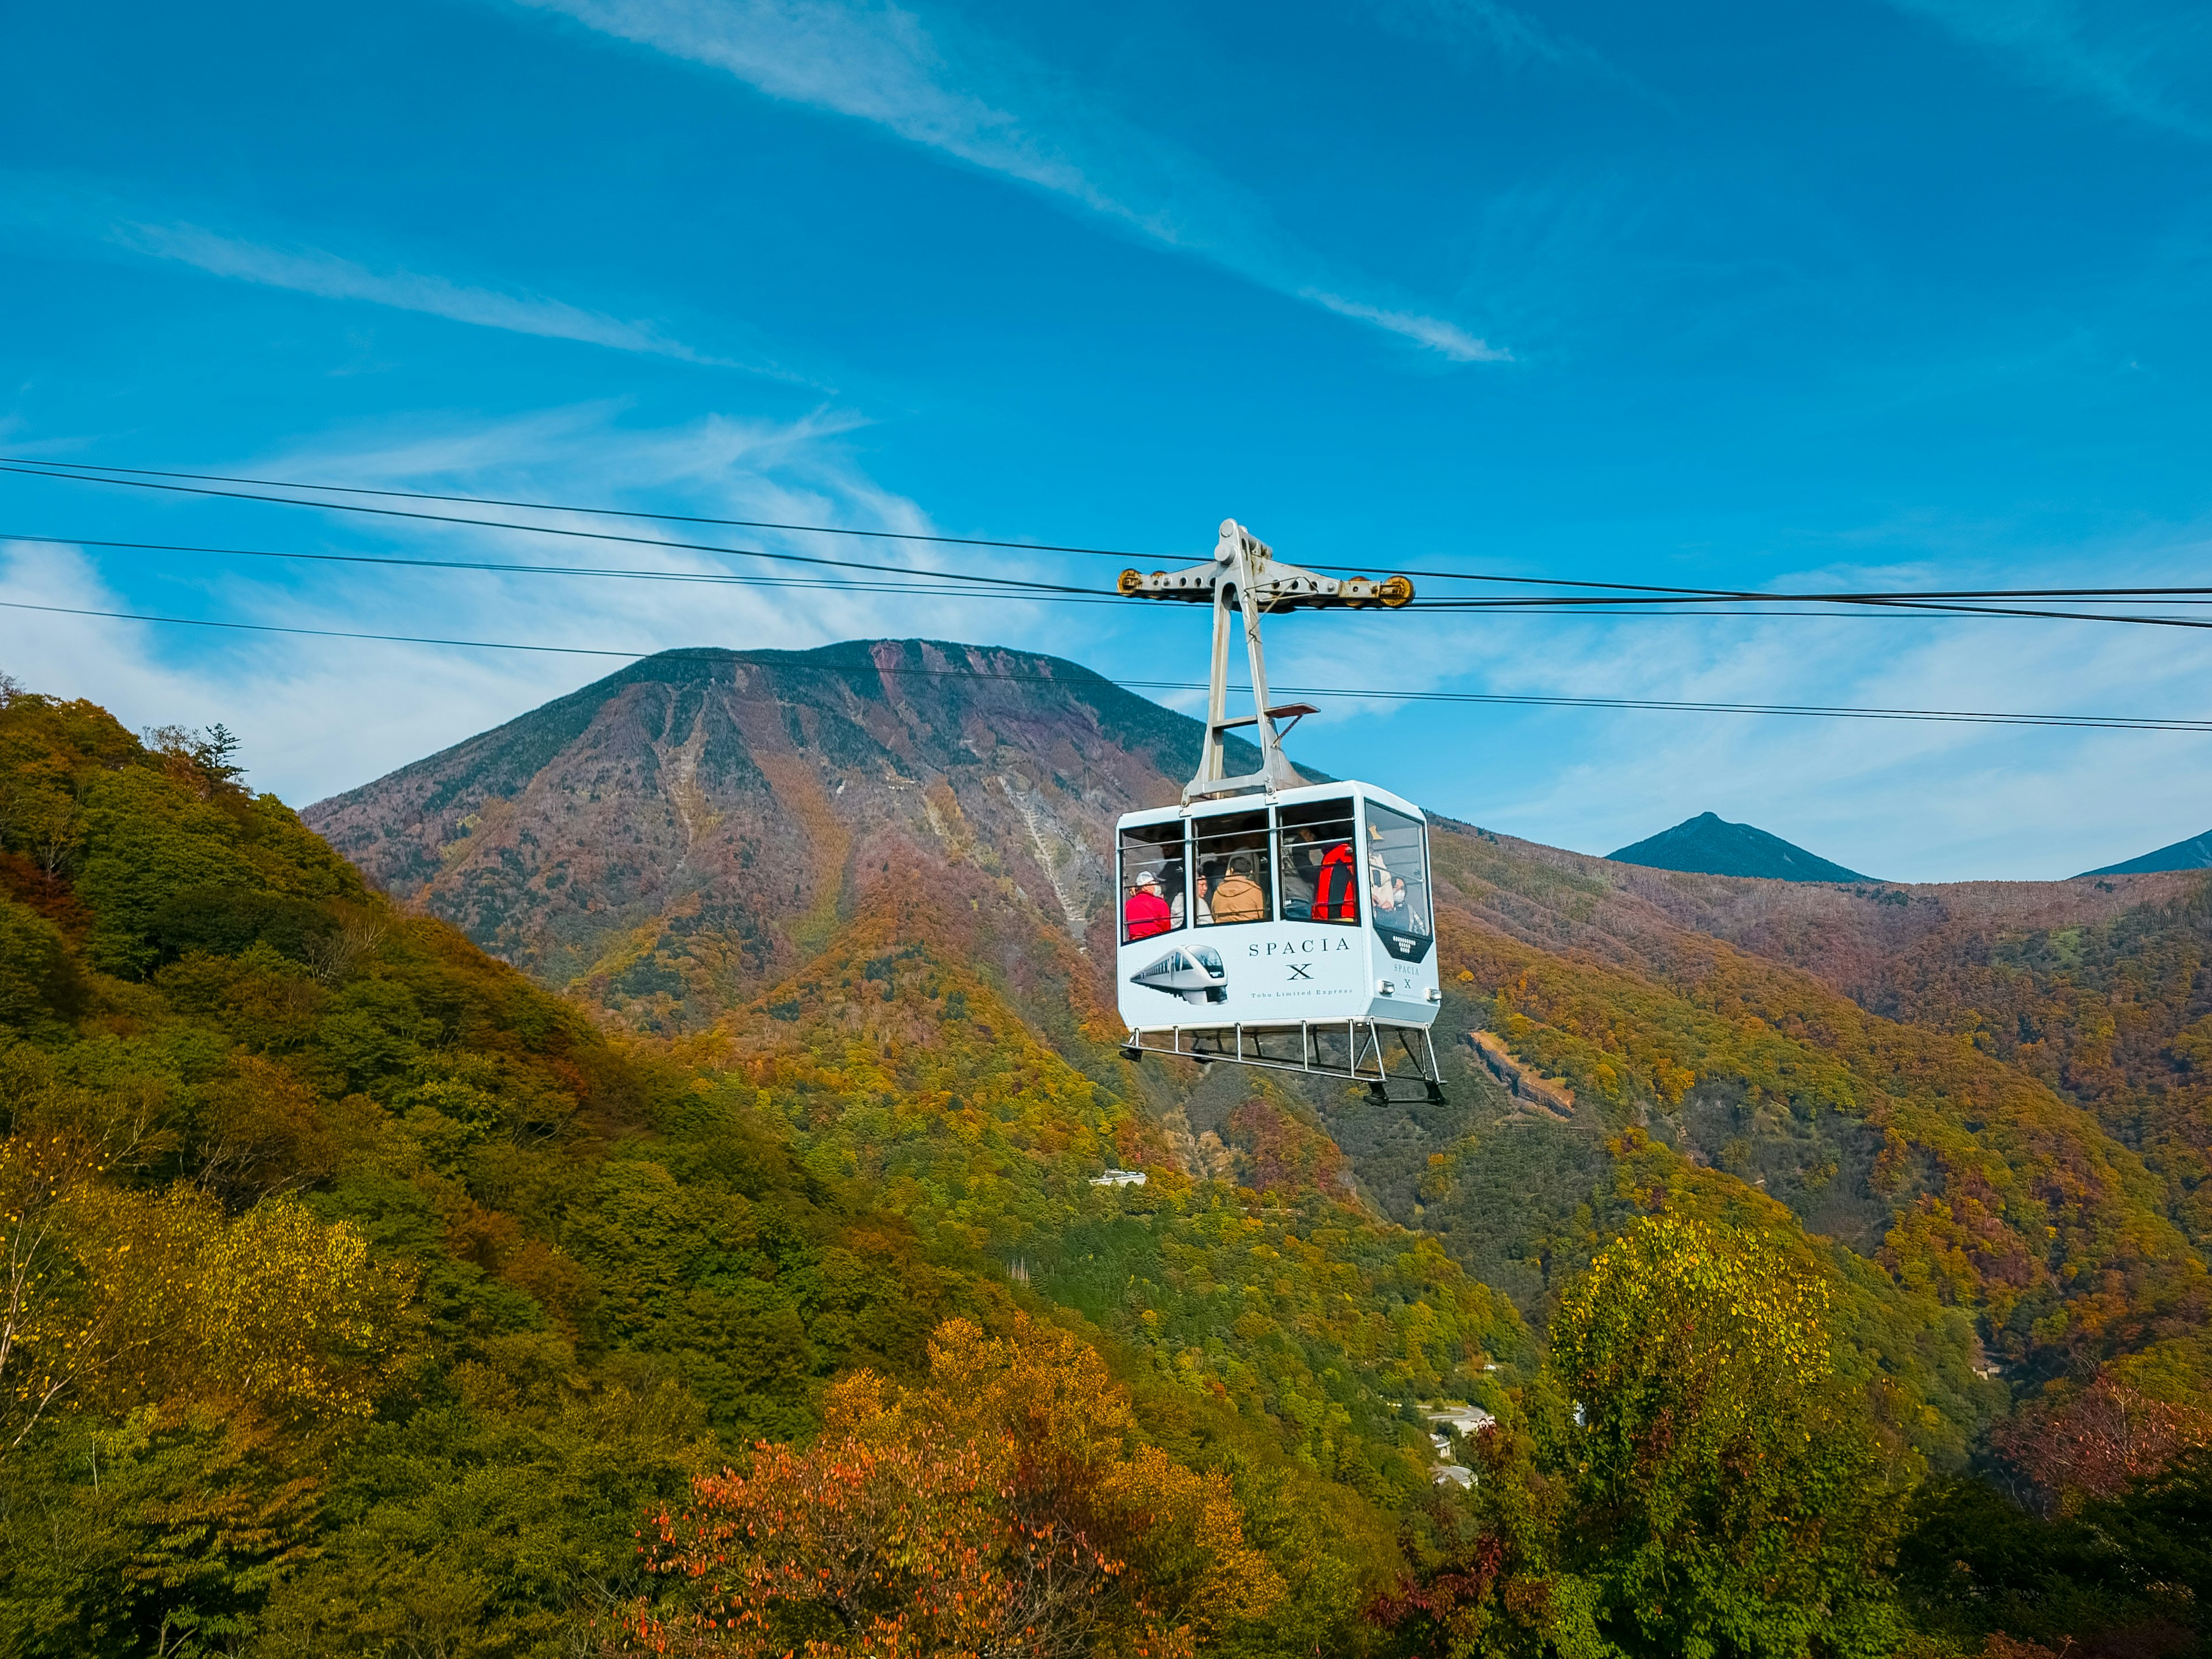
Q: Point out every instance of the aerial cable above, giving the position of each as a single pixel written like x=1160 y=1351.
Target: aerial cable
x=941 y=584
x=2092 y=722
x=555 y=530
x=949 y=584
x=1871 y=603
x=88 y=472
x=936 y=587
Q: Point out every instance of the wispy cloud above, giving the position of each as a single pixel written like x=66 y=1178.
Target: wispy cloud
x=983 y=104
x=311 y=270
x=1906 y=801
x=1454 y=342
x=2149 y=62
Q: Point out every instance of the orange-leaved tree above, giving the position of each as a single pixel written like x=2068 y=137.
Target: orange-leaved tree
x=1005 y=1507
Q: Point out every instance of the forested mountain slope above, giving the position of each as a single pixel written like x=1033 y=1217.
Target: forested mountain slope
x=365 y=1298
x=2099 y=988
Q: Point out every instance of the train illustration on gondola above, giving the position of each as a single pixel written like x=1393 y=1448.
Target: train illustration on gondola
x=1288 y=923
x=1195 y=975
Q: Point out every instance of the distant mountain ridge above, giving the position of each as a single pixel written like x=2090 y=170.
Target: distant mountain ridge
x=1709 y=845
x=2195 y=854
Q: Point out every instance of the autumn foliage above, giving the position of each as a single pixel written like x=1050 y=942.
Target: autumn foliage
x=1005 y=1507
x=2092 y=1442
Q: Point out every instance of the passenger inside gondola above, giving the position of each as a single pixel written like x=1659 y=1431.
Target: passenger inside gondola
x=1202 y=889
x=1385 y=891
x=1240 y=898
x=1235 y=871
x=1152 y=880
x=1147 y=912
x=1321 y=881
x=1397 y=871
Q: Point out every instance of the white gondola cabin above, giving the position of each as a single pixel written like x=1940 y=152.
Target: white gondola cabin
x=1264 y=920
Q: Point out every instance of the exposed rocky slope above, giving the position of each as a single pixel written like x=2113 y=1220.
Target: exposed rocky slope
x=672 y=838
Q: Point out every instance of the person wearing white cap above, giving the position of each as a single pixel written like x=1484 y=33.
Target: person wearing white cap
x=1146 y=912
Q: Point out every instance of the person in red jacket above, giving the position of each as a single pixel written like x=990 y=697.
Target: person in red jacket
x=1147 y=912
x=1336 y=886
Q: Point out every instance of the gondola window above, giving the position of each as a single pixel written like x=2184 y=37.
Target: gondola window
x=1316 y=862
x=1153 y=899
x=1234 y=875
x=1398 y=882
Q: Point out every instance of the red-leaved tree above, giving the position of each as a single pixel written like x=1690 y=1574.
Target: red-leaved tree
x=2094 y=1443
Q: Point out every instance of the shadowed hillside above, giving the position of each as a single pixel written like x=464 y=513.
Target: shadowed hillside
x=2194 y=853
x=1709 y=844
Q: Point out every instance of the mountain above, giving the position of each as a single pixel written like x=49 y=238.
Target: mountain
x=2195 y=854
x=691 y=844
x=672 y=838
x=1709 y=845
x=366 y=1297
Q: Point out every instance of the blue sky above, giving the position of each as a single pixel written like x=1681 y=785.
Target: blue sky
x=1857 y=294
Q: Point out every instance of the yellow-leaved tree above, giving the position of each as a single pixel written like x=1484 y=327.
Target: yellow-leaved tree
x=1690 y=1475
x=272 y=1306
x=124 y=1298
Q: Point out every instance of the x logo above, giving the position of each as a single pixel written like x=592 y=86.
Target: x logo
x=1301 y=970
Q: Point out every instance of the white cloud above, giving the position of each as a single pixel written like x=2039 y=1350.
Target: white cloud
x=998 y=112
x=311 y=270
x=1906 y=801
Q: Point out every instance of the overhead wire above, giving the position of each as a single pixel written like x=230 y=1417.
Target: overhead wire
x=945 y=583
x=2099 y=722
x=931 y=587
x=88 y=472
x=559 y=529
x=1085 y=596
x=1059 y=592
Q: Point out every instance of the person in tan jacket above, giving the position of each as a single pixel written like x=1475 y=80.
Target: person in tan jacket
x=1239 y=899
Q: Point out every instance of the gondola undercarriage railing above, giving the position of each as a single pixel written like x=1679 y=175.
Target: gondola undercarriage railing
x=1378 y=1053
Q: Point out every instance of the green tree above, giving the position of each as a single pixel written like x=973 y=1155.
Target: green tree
x=1690 y=1476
